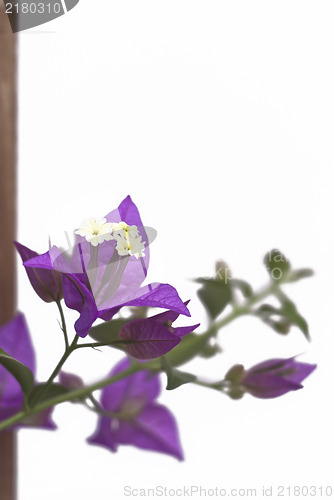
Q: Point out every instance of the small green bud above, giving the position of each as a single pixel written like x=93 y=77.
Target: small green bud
x=236 y=392
x=282 y=327
x=235 y=374
x=277 y=264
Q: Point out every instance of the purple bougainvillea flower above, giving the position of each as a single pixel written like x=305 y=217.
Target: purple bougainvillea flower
x=152 y=337
x=107 y=267
x=46 y=283
x=275 y=377
x=131 y=415
x=15 y=340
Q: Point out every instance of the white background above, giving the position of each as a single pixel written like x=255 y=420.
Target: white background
x=217 y=118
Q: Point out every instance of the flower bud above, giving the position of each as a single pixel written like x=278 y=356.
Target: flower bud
x=275 y=377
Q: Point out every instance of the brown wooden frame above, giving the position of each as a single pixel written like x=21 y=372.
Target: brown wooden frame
x=8 y=222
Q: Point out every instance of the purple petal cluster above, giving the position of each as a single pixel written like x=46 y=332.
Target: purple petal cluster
x=15 y=341
x=275 y=377
x=98 y=281
x=152 y=337
x=130 y=415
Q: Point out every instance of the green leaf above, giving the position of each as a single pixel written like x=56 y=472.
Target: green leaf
x=209 y=350
x=53 y=391
x=300 y=274
x=266 y=310
x=108 y=331
x=215 y=294
x=277 y=265
x=280 y=325
x=243 y=286
x=281 y=319
x=20 y=371
x=190 y=346
x=289 y=312
x=175 y=378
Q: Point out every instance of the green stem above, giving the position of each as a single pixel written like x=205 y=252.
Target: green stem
x=95 y=402
x=103 y=344
x=55 y=372
x=77 y=394
x=68 y=351
x=63 y=324
x=247 y=307
x=218 y=386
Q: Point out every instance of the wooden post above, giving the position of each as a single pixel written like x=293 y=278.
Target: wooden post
x=8 y=218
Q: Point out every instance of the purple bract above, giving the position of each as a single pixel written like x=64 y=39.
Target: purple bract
x=131 y=415
x=275 y=377
x=152 y=337
x=15 y=341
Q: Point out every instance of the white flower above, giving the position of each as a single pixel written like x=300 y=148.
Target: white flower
x=129 y=241
x=96 y=230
